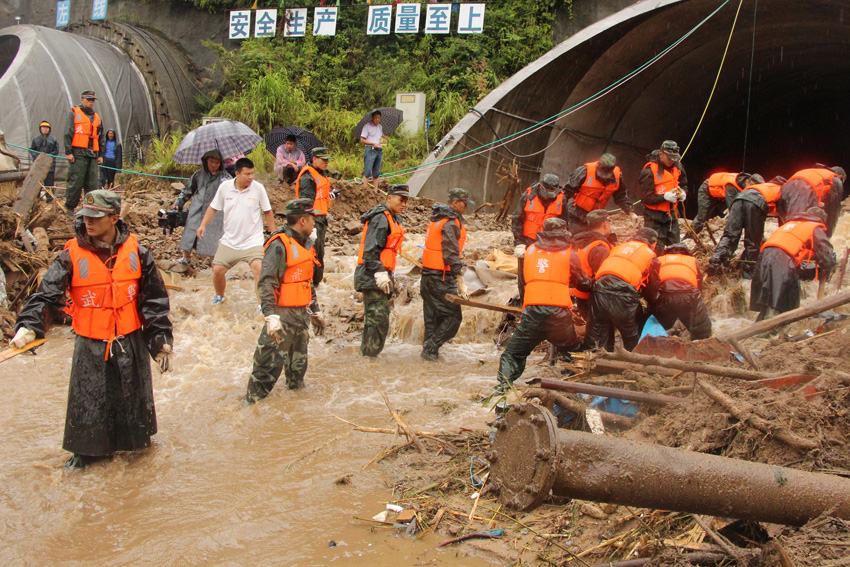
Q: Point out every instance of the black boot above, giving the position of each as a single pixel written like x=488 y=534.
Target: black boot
x=78 y=462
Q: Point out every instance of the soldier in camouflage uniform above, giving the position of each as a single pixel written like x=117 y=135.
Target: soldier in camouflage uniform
x=282 y=345
x=381 y=240
x=85 y=142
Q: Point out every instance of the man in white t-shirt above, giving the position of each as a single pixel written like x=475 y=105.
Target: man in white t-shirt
x=244 y=205
x=372 y=136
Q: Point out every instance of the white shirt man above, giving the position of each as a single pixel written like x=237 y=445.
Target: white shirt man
x=245 y=206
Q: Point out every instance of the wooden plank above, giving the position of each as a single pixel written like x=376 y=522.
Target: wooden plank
x=791 y=316
x=618 y=393
x=29 y=191
x=12 y=351
x=457 y=300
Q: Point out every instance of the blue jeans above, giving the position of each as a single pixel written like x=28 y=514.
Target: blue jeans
x=372 y=158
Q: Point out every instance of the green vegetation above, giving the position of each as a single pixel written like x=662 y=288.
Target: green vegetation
x=326 y=84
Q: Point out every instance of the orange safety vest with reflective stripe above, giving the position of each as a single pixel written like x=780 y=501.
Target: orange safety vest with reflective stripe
x=665 y=181
x=796 y=238
x=770 y=192
x=547 y=277
x=296 y=287
x=593 y=194
x=85 y=130
x=629 y=262
x=394 y=241
x=820 y=179
x=105 y=300
x=432 y=256
x=536 y=214
x=680 y=267
x=322 y=202
x=717 y=183
x=583 y=256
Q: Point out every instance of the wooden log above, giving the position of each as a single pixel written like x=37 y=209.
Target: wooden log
x=701 y=367
x=842 y=270
x=604 y=366
x=830 y=302
x=745 y=353
x=618 y=393
x=12 y=176
x=457 y=300
x=745 y=412
x=578 y=408
x=29 y=191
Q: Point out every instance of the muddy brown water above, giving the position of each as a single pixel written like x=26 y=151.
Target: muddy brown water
x=226 y=484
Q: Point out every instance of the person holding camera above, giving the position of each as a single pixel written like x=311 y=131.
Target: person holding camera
x=200 y=190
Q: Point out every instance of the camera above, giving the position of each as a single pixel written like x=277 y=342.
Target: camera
x=171 y=219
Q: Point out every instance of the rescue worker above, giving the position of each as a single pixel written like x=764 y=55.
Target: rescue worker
x=662 y=185
x=680 y=293
x=747 y=214
x=376 y=260
x=590 y=187
x=47 y=144
x=313 y=183
x=286 y=291
x=541 y=201
x=441 y=272
x=799 y=249
x=717 y=193
x=622 y=279
x=551 y=268
x=592 y=246
x=816 y=187
x=120 y=317
x=84 y=144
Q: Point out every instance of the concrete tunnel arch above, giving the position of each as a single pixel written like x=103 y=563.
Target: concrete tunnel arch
x=798 y=109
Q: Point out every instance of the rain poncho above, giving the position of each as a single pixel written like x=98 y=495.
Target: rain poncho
x=201 y=189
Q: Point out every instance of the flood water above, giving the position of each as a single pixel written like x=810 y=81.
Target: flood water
x=228 y=484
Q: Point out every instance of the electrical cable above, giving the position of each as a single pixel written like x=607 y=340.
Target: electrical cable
x=749 y=89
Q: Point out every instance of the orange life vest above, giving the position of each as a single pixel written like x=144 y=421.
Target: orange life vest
x=394 y=241
x=583 y=256
x=105 y=301
x=629 y=262
x=717 y=183
x=593 y=194
x=796 y=238
x=86 y=130
x=322 y=202
x=536 y=213
x=665 y=181
x=680 y=267
x=296 y=287
x=432 y=256
x=820 y=179
x=547 y=277
x=770 y=192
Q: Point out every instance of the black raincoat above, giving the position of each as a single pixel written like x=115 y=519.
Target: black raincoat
x=577 y=214
x=678 y=299
x=518 y=219
x=746 y=216
x=201 y=189
x=776 y=281
x=110 y=402
x=797 y=196
x=709 y=206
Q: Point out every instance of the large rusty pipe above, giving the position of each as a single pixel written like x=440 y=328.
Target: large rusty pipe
x=532 y=457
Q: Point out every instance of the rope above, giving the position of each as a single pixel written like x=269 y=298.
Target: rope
x=749 y=89
x=101 y=166
x=716 y=79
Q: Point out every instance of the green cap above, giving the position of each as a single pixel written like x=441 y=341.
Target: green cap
x=670 y=148
x=458 y=194
x=399 y=189
x=100 y=203
x=554 y=223
x=596 y=217
x=320 y=153
x=299 y=207
x=551 y=180
x=88 y=95
x=607 y=162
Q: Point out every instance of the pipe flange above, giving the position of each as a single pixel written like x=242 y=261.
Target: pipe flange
x=523 y=459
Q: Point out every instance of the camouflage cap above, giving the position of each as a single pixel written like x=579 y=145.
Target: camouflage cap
x=88 y=95
x=607 y=162
x=596 y=218
x=755 y=179
x=100 y=203
x=678 y=248
x=399 y=189
x=551 y=180
x=299 y=207
x=670 y=148
x=322 y=153
x=554 y=224
x=839 y=171
x=458 y=194
x=818 y=212
x=647 y=235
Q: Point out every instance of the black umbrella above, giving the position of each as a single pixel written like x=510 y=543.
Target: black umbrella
x=391 y=119
x=304 y=140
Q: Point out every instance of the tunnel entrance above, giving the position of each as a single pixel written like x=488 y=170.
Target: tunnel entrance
x=9 y=46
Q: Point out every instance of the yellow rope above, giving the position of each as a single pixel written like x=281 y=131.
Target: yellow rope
x=716 y=79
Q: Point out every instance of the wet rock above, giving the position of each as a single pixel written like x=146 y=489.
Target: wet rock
x=353 y=227
x=593 y=511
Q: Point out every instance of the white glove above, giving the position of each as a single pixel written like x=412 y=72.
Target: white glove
x=314 y=235
x=384 y=283
x=22 y=338
x=274 y=329
x=671 y=196
x=519 y=250
x=682 y=195
x=462 y=290
x=318 y=323
x=163 y=358
x=334 y=194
